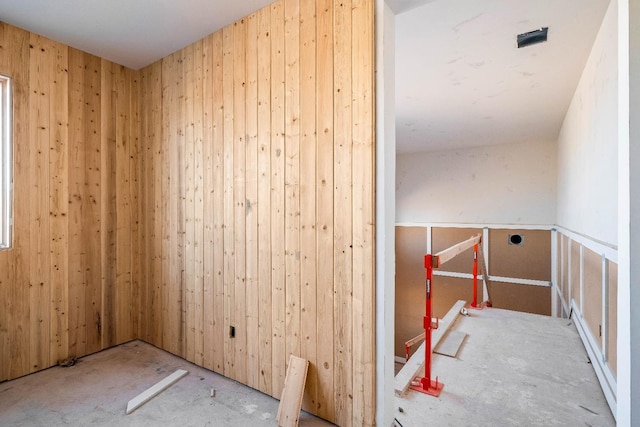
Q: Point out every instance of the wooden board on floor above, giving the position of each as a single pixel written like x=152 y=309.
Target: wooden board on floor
x=154 y=390
x=451 y=344
x=291 y=400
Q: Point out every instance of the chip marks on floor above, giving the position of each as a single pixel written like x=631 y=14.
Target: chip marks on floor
x=513 y=369
x=95 y=392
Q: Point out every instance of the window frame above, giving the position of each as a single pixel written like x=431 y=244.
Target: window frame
x=6 y=161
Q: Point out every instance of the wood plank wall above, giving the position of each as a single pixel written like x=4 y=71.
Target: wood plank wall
x=67 y=284
x=256 y=209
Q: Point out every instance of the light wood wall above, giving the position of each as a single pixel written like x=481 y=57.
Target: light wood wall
x=256 y=206
x=67 y=283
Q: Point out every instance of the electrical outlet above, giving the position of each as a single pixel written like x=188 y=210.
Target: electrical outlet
x=232 y=331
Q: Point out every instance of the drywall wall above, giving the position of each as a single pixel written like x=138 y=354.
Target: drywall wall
x=587 y=144
x=502 y=184
x=256 y=202
x=67 y=285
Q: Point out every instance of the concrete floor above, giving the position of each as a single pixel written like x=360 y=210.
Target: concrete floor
x=513 y=369
x=96 y=390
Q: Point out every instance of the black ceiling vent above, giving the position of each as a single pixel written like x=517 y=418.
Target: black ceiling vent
x=532 y=37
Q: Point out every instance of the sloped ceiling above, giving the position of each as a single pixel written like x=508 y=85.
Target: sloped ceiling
x=461 y=81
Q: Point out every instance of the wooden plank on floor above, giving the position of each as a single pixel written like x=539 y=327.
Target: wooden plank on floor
x=292 y=393
x=154 y=390
x=416 y=362
x=451 y=343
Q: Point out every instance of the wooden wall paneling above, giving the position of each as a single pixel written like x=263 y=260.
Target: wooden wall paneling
x=264 y=199
x=218 y=115
x=251 y=202
x=179 y=180
x=187 y=101
x=40 y=292
x=279 y=350
x=307 y=192
x=124 y=296
x=292 y=174
x=239 y=197
x=612 y=320
x=364 y=215
x=59 y=204
x=108 y=223
x=593 y=293
x=208 y=221
x=198 y=178
x=15 y=263
x=324 y=207
x=343 y=216
x=144 y=209
x=575 y=271
x=91 y=204
x=229 y=211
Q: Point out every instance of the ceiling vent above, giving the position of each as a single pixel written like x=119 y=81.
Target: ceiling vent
x=532 y=37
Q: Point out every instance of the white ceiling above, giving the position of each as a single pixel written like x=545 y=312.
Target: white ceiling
x=462 y=82
x=134 y=33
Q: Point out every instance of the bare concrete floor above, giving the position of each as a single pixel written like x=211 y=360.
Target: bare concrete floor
x=513 y=369
x=96 y=390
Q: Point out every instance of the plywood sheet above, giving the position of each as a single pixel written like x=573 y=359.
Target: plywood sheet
x=531 y=260
x=410 y=284
x=612 y=319
x=592 y=304
x=517 y=297
x=575 y=272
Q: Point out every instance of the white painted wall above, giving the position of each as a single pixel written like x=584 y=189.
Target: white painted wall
x=501 y=184
x=587 y=144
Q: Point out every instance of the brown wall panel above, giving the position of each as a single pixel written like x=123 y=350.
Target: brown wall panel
x=593 y=293
x=564 y=269
x=411 y=243
x=526 y=298
x=531 y=260
x=574 y=286
x=443 y=238
x=612 y=320
x=66 y=282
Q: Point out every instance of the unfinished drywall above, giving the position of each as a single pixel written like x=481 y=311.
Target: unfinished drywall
x=502 y=184
x=257 y=209
x=67 y=283
x=587 y=144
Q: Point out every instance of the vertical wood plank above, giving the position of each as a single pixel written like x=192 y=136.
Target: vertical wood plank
x=108 y=209
x=264 y=199
x=135 y=158
x=124 y=295
x=229 y=211
x=325 y=206
x=343 y=264
x=91 y=203
x=239 y=196
x=209 y=308
x=308 y=254
x=279 y=350
x=144 y=210
x=251 y=203
x=58 y=203
x=219 y=193
x=198 y=177
x=363 y=214
x=292 y=174
x=39 y=292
